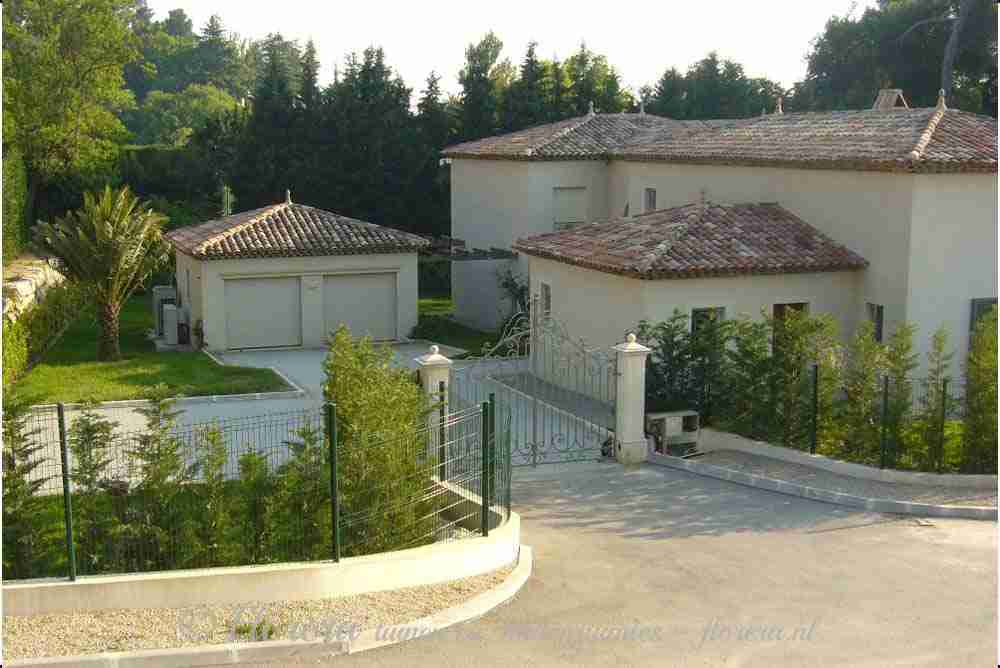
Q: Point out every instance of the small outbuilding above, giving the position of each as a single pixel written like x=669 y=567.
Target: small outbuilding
x=286 y=275
x=702 y=259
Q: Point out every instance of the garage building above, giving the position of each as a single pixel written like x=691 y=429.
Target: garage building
x=284 y=276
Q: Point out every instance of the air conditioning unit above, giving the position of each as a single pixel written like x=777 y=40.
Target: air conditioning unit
x=171 y=318
x=674 y=432
x=162 y=294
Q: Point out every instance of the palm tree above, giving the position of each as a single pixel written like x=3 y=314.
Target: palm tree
x=109 y=246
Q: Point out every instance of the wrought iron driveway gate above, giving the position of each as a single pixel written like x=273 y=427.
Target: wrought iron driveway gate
x=558 y=394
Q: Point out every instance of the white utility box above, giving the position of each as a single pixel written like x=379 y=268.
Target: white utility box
x=674 y=432
x=170 y=320
x=162 y=294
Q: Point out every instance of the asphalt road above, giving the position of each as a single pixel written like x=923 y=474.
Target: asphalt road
x=677 y=570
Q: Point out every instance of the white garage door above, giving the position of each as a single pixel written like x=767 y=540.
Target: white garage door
x=263 y=312
x=366 y=303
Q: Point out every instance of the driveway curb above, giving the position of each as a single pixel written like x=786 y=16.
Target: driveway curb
x=276 y=650
x=825 y=495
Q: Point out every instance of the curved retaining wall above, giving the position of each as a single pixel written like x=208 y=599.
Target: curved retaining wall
x=425 y=565
x=720 y=440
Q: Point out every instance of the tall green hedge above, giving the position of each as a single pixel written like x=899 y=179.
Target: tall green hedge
x=15 y=192
x=39 y=326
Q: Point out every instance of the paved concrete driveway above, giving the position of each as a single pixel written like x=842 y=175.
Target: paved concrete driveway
x=690 y=558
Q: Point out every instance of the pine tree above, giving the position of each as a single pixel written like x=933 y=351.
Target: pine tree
x=668 y=97
x=979 y=438
x=26 y=535
x=479 y=95
x=310 y=77
x=558 y=105
x=92 y=440
x=934 y=395
x=901 y=361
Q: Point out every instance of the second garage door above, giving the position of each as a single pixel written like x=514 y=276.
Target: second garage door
x=263 y=312
x=366 y=303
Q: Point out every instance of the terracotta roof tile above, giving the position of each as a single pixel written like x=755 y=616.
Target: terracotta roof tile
x=696 y=240
x=289 y=230
x=915 y=140
x=899 y=139
x=588 y=137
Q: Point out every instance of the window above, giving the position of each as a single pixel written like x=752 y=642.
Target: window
x=876 y=315
x=569 y=206
x=980 y=307
x=701 y=316
x=546 y=299
x=781 y=310
x=649 y=203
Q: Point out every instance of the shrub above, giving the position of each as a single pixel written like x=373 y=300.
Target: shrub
x=934 y=395
x=28 y=535
x=250 y=514
x=669 y=372
x=747 y=411
x=38 y=327
x=161 y=528
x=900 y=361
x=860 y=409
x=979 y=444
x=215 y=531
x=384 y=468
x=91 y=440
x=300 y=518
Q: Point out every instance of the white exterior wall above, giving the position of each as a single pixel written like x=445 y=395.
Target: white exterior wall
x=476 y=293
x=186 y=266
x=495 y=202
x=869 y=212
x=602 y=307
x=311 y=271
x=953 y=255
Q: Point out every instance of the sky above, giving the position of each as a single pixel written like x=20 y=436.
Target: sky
x=769 y=38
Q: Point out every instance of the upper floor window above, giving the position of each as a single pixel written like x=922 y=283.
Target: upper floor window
x=876 y=315
x=649 y=200
x=569 y=207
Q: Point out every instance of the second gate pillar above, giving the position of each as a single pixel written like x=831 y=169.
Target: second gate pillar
x=630 y=402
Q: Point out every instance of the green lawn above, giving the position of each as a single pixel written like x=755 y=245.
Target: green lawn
x=437 y=325
x=70 y=373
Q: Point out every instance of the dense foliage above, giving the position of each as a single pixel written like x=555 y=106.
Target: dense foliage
x=38 y=327
x=755 y=378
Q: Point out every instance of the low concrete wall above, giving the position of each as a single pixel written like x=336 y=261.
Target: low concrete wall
x=425 y=565
x=720 y=440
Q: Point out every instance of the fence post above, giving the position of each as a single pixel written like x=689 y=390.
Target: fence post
x=484 y=446
x=884 y=419
x=815 y=410
x=442 y=439
x=630 y=402
x=944 y=417
x=331 y=436
x=67 y=501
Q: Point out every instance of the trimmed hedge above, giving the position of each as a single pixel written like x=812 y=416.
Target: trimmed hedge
x=38 y=327
x=15 y=193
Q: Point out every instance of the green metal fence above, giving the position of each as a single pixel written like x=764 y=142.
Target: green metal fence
x=272 y=488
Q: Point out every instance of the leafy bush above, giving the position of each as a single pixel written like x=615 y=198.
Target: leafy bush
x=860 y=412
x=299 y=516
x=383 y=464
x=38 y=327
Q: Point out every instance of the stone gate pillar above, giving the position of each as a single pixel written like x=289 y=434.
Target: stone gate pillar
x=434 y=368
x=630 y=402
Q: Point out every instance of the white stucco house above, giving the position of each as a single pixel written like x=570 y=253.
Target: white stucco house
x=286 y=275
x=911 y=191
